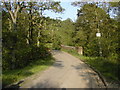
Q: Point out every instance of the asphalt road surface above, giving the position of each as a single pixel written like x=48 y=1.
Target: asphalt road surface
x=67 y=72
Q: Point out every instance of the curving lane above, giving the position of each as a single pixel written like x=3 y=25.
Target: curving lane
x=67 y=72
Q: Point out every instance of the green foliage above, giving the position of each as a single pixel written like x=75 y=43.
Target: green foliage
x=56 y=43
x=33 y=35
x=25 y=39
x=86 y=28
x=24 y=53
x=94 y=19
x=24 y=56
x=67 y=31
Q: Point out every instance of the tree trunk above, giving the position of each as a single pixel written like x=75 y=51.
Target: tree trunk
x=30 y=32
x=13 y=15
x=38 y=42
x=14 y=46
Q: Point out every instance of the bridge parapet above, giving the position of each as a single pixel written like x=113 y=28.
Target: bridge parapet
x=78 y=49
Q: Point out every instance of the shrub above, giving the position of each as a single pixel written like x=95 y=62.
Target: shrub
x=24 y=56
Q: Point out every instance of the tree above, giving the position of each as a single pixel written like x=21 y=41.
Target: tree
x=20 y=41
x=65 y=31
x=13 y=9
x=117 y=4
x=93 y=19
x=42 y=6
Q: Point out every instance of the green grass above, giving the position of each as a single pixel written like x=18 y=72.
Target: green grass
x=107 y=68
x=12 y=76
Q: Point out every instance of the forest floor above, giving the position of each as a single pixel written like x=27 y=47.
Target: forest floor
x=67 y=72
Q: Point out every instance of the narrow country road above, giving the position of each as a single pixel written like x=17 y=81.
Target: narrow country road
x=67 y=72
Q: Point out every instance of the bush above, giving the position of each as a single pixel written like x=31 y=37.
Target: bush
x=24 y=56
x=40 y=52
x=56 y=45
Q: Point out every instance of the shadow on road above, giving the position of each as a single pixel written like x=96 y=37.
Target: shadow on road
x=87 y=75
x=45 y=84
x=59 y=65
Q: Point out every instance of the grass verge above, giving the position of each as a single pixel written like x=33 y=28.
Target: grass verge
x=12 y=76
x=107 y=68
